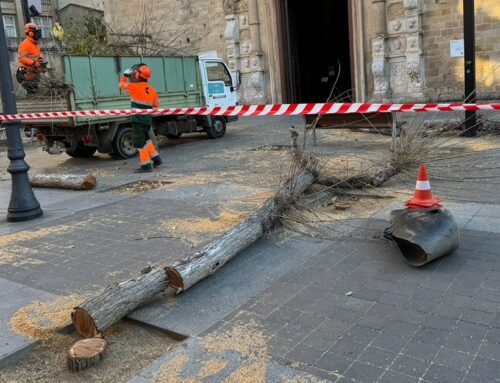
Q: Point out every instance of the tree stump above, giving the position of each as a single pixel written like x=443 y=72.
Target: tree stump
x=86 y=353
x=64 y=181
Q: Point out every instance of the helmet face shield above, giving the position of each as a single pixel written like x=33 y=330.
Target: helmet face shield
x=37 y=34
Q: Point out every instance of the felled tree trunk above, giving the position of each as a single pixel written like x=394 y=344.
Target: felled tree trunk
x=74 y=182
x=114 y=302
x=191 y=269
x=359 y=182
x=86 y=353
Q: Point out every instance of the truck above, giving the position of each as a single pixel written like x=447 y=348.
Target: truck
x=92 y=85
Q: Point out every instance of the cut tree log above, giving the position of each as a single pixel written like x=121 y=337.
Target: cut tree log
x=86 y=353
x=359 y=182
x=191 y=269
x=63 y=181
x=114 y=302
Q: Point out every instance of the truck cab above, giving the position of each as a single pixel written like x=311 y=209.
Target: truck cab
x=219 y=87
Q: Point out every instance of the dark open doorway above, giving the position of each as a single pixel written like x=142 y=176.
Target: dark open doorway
x=316 y=46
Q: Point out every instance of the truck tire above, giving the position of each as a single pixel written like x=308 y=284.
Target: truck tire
x=218 y=128
x=123 y=144
x=81 y=151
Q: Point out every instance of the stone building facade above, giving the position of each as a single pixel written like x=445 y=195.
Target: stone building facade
x=398 y=50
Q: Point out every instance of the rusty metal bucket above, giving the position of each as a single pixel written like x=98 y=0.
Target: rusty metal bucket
x=423 y=234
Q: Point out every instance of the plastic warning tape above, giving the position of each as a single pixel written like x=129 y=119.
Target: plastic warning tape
x=261 y=110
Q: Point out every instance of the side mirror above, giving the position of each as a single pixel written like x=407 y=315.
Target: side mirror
x=236 y=86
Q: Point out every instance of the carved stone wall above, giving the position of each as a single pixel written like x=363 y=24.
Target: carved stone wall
x=244 y=51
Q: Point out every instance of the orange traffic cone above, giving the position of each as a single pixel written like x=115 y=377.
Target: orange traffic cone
x=423 y=196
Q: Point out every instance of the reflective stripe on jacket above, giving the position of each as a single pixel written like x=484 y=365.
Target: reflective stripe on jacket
x=29 y=53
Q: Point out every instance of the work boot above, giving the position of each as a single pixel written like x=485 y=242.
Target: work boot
x=157 y=161
x=144 y=169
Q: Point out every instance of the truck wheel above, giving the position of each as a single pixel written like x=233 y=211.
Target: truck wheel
x=174 y=136
x=82 y=151
x=218 y=128
x=123 y=144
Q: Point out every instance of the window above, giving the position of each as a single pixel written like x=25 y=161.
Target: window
x=45 y=24
x=9 y=25
x=217 y=71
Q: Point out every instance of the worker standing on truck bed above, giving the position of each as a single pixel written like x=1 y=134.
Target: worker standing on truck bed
x=31 y=63
x=143 y=96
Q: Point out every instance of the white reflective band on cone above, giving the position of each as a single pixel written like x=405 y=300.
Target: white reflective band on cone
x=423 y=185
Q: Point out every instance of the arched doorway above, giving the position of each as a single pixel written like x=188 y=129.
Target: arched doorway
x=316 y=50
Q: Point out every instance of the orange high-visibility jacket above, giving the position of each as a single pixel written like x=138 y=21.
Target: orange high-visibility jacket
x=142 y=94
x=29 y=53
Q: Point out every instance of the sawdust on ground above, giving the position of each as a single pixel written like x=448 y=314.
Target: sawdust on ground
x=139 y=187
x=130 y=349
x=10 y=250
x=248 y=340
x=41 y=320
x=226 y=220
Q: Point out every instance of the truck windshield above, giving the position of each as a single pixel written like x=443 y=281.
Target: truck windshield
x=217 y=71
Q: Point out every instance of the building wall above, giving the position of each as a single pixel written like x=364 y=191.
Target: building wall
x=187 y=27
x=445 y=75
x=77 y=14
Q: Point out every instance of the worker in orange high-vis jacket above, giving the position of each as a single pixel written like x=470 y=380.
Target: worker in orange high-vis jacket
x=31 y=62
x=143 y=96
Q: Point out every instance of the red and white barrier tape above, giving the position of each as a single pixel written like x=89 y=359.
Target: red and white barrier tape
x=261 y=110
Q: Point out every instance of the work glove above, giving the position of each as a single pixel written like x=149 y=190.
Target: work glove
x=128 y=72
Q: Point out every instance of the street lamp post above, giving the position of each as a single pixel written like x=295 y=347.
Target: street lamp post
x=23 y=204
x=470 y=67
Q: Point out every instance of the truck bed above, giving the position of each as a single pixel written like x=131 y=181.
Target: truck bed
x=38 y=103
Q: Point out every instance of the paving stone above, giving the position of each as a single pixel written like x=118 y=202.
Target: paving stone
x=397 y=377
x=361 y=334
x=330 y=361
x=362 y=372
x=457 y=360
x=484 y=305
x=442 y=374
x=424 y=351
x=278 y=346
x=439 y=322
x=393 y=299
x=390 y=342
x=348 y=348
x=487 y=368
x=430 y=335
x=305 y=354
x=410 y=366
x=402 y=329
x=377 y=356
x=369 y=294
x=471 y=378
x=358 y=304
x=478 y=317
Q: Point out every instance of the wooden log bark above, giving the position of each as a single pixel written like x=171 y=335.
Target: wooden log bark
x=63 y=181
x=191 y=269
x=114 y=302
x=86 y=353
x=359 y=182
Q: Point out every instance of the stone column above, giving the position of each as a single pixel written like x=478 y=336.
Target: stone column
x=256 y=81
x=415 y=65
x=380 y=69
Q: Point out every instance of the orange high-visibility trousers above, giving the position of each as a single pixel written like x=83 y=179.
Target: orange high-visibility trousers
x=144 y=157
x=151 y=149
